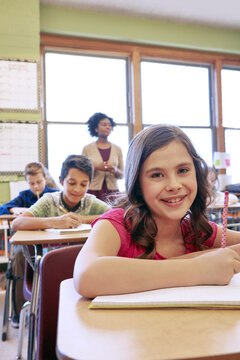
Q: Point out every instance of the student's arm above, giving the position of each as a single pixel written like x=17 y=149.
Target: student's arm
x=88 y=219
x=99 y=271
x=17 y=210
x=28 y=222
x=232 y=241
x=15 y=206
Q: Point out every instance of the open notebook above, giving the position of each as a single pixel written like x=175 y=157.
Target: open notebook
x=217 y=297
x=80 y=228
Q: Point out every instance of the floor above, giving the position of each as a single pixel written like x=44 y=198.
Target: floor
x=9 y=347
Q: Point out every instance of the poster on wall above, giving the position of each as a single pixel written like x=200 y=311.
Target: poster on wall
x=19 y=145
x=19 y=86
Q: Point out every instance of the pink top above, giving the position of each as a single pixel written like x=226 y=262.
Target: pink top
x=131 y=250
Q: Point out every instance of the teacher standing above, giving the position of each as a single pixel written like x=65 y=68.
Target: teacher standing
x=106 y=157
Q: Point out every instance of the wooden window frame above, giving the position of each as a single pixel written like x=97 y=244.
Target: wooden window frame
x=136 y=52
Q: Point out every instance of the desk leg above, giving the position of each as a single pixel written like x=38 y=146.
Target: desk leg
x=5 y=243
x=34 y=305
x=7 y=304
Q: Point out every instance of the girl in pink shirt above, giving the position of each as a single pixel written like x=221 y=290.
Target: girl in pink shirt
x=162 y=216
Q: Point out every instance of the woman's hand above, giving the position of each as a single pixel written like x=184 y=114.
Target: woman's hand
x=111 y=169
x=67 y=221
x=104 y=166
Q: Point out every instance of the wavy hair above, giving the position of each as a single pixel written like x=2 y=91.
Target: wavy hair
x=143 y=228
x=95 y=119
x=79 y=162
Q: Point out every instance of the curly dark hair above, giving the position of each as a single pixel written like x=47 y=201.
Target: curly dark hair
x=143 y=227
x=94 y=120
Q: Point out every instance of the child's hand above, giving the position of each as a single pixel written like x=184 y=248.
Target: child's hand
x=218 y=267
x=67 y=221
x=18 y=210
x=235 y=247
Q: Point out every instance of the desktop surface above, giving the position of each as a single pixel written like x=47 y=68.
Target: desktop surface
x=26 y=237
x=143 y=334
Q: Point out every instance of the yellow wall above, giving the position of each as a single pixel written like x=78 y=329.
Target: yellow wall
x=145 y=31
x=19 y=39
x=22 y=20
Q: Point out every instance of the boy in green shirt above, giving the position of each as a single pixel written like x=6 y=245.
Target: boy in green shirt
x=67 y=208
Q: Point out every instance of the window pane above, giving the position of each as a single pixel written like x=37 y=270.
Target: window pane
x=65 y=140
x=202 y=141
x=230 y=97
x=232 y=145
x=175 y=94
x=78 y=86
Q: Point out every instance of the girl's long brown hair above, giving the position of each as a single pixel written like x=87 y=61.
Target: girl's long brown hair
x=143 y=228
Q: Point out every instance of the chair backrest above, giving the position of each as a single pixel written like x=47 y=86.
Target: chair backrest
x=28 y=281
x=28 y=276
x=55 y=266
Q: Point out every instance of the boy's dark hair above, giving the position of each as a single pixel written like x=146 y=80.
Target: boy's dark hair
x=143 y=227
x=79 y=162
x=94 y=120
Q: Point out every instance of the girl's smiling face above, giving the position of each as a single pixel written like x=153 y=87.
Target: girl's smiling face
x=75 y=186
x=168 y=181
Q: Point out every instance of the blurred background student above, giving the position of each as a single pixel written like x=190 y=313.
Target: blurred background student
x=106 y=157
x=39 y=181
x=217 y=195
x=67 y=208
x=37 y=177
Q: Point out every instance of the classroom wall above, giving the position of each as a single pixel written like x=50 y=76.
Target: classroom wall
x=22 y=21
x=19 y=39
x=59 y=20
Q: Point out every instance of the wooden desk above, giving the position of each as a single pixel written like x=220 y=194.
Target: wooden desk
x=8 y=216
x=41 y=237
x=215 y=213
x=233 y=206
x=143 y=334
x=37 y=238
x=4 y=225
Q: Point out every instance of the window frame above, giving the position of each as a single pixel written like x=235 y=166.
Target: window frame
x=136 y=53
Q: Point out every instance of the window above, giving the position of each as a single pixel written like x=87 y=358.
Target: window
x=231 y=118
x=76 y=87
x=179 y=94
x=147 y=84
x=230 y=97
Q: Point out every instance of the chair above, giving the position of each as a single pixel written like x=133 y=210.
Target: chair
x=7 y=314
x=27 y=293
x=56 y=266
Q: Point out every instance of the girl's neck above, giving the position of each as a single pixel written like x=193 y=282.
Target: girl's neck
x=169 y=240
x=168 y=229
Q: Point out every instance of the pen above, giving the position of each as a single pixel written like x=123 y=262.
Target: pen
x=61 y=208
x=224 y=225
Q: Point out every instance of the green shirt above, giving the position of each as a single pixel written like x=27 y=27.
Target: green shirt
x=49 y=206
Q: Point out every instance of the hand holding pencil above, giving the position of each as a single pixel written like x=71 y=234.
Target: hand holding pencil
x=68 y=220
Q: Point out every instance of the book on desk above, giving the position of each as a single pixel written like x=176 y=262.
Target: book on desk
x=204 y=296
x=80 y=228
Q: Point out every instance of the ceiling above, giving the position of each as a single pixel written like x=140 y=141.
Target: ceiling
x=216 y=13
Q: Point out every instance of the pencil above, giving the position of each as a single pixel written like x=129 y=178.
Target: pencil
x=64 y=210
x=224 y=225
x=37 y=193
